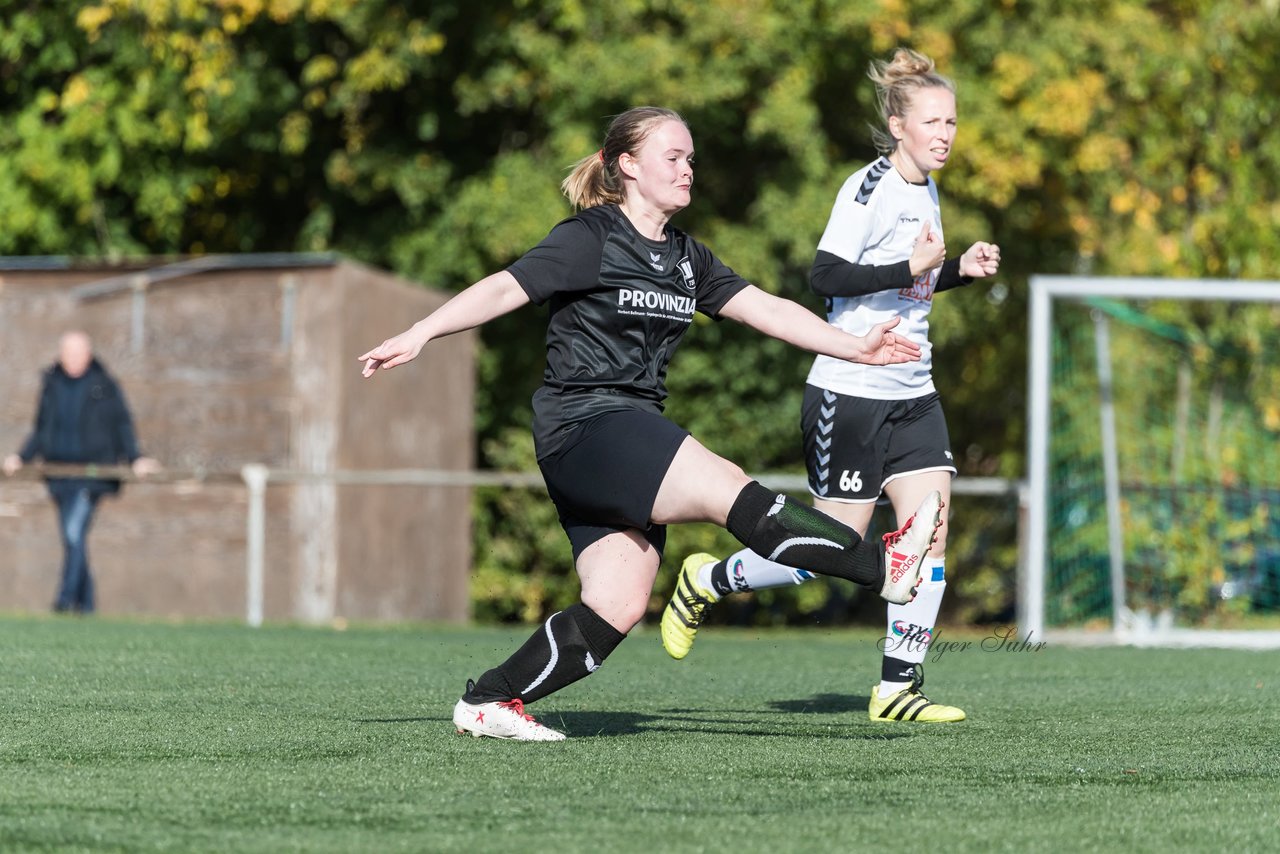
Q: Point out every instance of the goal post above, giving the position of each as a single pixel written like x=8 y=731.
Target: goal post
x=1153 y=452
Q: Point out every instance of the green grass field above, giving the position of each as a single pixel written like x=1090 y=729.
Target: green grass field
x=123 y=736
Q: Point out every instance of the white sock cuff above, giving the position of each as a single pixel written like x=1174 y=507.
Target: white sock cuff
x=704 y=581
x=750 y=571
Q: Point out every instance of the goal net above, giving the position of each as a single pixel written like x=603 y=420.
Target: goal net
x=1154 y=461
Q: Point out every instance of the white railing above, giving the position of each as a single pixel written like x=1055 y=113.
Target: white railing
x=256 y=478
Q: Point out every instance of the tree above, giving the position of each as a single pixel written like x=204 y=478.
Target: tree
x=1117 y=138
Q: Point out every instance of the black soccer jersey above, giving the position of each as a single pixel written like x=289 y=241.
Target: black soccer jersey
x=620 y=303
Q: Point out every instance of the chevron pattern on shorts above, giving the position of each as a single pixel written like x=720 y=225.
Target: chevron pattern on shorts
x=822 y=454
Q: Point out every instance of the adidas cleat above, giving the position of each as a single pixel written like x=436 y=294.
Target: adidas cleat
x=905 y=548
x=910 y=704
x=687 y=608
x=501 y=720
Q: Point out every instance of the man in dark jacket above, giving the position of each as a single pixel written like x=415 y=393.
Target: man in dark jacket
x=83 y=418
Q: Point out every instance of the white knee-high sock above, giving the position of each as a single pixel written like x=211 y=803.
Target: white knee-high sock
x=745 y=570
x=911 y=628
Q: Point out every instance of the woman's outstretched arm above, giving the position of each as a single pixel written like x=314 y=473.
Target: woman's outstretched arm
x=492 y=296
x=793 y=323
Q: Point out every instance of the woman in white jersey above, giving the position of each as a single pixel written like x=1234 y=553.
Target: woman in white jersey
x=873 y=430
x=621 y=285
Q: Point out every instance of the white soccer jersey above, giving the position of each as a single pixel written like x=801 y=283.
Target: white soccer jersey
x=876 y=219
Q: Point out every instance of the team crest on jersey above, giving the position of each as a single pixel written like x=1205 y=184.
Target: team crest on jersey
x=686 y=272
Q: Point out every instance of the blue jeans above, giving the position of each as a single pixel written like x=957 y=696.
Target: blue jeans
x=75 y=515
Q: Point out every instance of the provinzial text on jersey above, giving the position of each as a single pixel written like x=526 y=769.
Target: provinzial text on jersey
x=636 y=298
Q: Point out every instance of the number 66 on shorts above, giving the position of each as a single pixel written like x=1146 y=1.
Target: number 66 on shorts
x=854 y=445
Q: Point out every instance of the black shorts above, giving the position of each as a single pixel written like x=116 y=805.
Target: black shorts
x=853 y=446
x=605 y=476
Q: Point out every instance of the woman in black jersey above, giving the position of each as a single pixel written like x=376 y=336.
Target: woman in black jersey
x=622 y=285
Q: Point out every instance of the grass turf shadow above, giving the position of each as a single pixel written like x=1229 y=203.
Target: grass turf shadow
x=616 y=724
x=606 y=724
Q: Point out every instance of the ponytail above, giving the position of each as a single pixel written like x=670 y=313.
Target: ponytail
x=593 y=182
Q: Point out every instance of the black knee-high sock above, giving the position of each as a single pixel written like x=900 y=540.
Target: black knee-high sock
x=796 y=535
x=570 y=645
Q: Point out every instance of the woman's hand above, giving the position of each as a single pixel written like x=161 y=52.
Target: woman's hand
x=929 y=252
x=982 y=260
x=882 y=347
x=393 y=352
x=145 y=466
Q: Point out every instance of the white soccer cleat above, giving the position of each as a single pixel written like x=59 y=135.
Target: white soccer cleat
x=501 y=720
x=905 y=548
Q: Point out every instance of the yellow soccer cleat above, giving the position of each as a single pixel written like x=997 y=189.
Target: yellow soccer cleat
x=687 y=608
x=911 y=705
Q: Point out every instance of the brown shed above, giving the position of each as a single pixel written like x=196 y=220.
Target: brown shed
x=231 y=360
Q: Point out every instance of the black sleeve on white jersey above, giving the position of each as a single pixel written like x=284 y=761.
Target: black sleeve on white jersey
x=832 y=276
x=950 y=276
x=567 y=259
x=717 y=284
